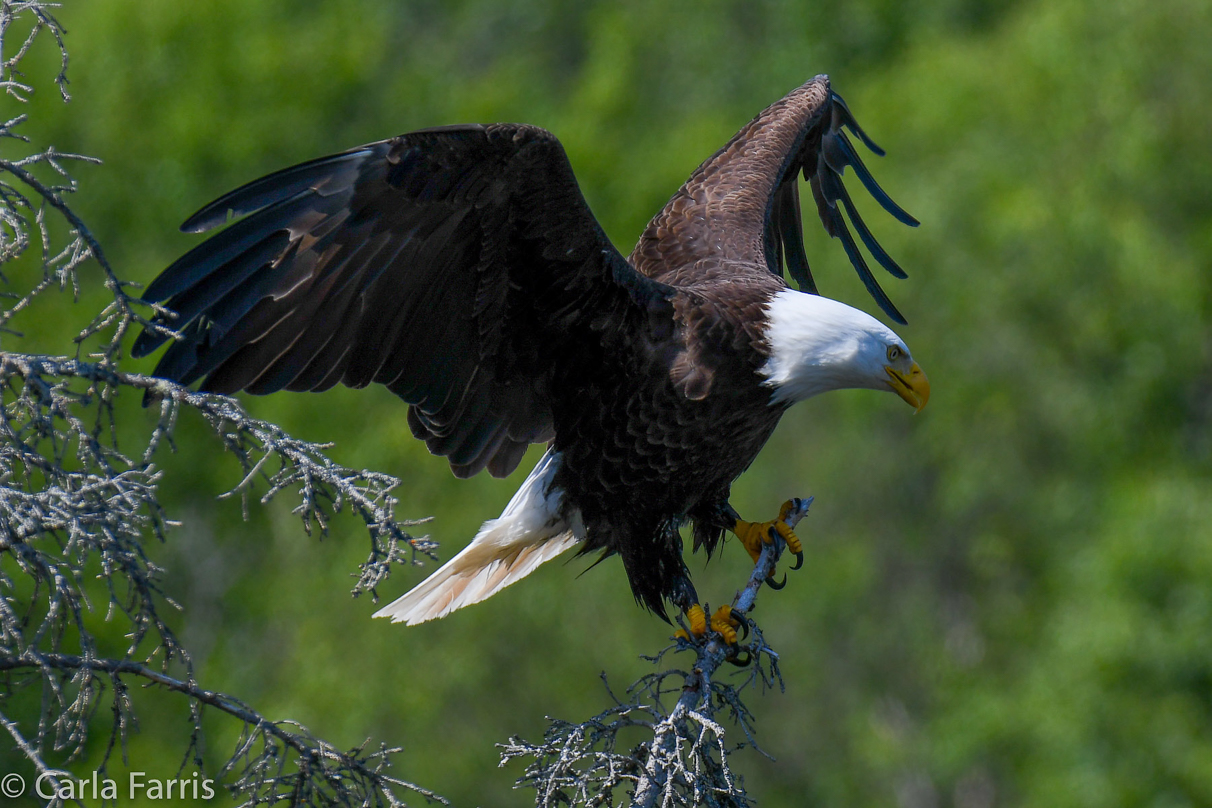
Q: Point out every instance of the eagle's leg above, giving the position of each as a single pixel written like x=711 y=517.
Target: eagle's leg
x=683 y=595
x=754 y=535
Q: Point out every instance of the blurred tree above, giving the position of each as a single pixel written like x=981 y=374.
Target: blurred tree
x=1006 y=601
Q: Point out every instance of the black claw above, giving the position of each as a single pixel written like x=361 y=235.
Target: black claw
x=770 y=582
x=742 y=663
x=799 y=560
x=743 y=624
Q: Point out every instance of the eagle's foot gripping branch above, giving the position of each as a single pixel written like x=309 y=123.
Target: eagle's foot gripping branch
x=767 y=539
x=754 y=535
x=724 y=622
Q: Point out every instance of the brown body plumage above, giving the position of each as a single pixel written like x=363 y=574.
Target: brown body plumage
x=461 y=268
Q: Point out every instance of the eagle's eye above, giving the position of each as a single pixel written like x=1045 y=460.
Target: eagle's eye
x=894 y=353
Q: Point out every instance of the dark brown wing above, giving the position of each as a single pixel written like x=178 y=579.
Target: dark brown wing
x=457 y=266
x=742 y=203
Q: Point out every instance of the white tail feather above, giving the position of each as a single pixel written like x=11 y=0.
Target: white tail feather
x=529 y=532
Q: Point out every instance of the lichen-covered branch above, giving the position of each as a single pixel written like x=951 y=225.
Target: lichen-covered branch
x=321 y=773
x=76 y=510
x=44 y=403
x=684 y=759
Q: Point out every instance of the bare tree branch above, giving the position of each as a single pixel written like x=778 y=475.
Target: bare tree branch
x=685 y=763
x=324 y=775
x=73 y=503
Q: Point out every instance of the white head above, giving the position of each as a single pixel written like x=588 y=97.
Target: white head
x=818 y=344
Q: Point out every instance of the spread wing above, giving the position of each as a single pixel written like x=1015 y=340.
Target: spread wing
x=458 y=266
x=743 y=203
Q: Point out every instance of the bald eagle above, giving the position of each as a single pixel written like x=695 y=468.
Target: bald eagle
x=461 y=267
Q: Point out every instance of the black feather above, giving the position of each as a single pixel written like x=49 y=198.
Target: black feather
x=860 y=266
x=873 y=187
x=873 y=246
x=207 y=291
x=276 y=187
x=791 y=227
x=220 y=249
x=846 y=118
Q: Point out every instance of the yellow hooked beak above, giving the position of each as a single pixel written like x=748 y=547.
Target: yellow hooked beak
x=913 y=386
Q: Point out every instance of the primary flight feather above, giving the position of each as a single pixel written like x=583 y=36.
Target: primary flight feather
x=461 y=268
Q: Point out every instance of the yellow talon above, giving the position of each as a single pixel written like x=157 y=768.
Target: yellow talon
x=754 y=534
x=722 y=622
x=698 y=623
x=788 y=536
x=725 y=624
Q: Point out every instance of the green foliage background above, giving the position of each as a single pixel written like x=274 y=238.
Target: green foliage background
x=1008 y=598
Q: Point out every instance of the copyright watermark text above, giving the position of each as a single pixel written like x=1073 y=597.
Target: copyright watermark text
x=12 y=785
x=67 y=786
